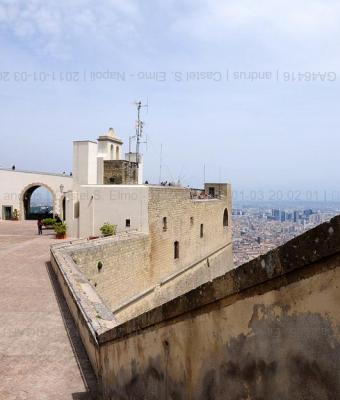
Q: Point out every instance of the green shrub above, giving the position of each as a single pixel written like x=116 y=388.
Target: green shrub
x=60 y=228
x=48 y=221
x=108 y=229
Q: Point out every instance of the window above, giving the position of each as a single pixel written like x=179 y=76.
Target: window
x=127 y=223
x=212 y=191
x=117 y=153
x=191 y=221
x=165 y=224
x=176 y=250
x=111 y=151
x=225 y=218
x=201 y=231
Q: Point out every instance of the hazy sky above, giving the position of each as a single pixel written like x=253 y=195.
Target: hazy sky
x=280 y=131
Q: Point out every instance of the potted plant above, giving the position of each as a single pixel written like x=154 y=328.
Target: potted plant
x=108 y=229
x=60 y=229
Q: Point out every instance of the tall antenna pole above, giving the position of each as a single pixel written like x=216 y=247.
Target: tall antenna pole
x=139 y=128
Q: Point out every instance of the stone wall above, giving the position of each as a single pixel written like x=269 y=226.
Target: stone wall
x=184 y=218
x=120 y=172
x=141 y=272
x=269 y=329
x=117 y=267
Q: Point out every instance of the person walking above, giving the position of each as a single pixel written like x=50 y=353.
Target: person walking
x=40 y=225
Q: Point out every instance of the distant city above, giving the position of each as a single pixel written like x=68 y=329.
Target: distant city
x=260 y=227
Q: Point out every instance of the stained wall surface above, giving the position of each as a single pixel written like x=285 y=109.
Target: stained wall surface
x=270 y=343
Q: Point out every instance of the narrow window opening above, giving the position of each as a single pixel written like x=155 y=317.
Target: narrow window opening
x=127 y=223
x=176 y=250
x=201 y=231
x=165 y=224
x=225 y=218
x=191 y=221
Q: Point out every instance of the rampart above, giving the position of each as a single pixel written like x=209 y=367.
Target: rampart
x=269 y=329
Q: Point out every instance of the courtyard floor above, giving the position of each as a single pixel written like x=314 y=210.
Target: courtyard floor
x=41 y=354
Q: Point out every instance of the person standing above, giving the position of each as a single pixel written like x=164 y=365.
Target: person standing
x=40 y=225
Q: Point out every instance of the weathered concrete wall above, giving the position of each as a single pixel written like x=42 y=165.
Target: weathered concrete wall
x=268 y=330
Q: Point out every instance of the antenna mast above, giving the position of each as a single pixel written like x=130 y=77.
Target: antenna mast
x=139 y=129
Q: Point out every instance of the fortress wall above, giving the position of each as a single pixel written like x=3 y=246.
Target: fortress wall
x=184 y=217
x=178 y=283
x=269 y=329
x=125 y=266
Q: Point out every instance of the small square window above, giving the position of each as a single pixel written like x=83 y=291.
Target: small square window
x=127 y=223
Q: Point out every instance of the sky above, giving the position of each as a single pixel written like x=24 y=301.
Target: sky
x=240 y=91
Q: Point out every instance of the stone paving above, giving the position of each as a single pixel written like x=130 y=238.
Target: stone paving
x=41 y=355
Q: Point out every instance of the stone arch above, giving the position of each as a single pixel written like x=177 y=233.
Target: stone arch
x=28 y=191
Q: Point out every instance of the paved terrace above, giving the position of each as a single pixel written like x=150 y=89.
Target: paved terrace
x=41 y=355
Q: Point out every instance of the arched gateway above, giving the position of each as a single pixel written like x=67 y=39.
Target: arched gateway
x=17 y=188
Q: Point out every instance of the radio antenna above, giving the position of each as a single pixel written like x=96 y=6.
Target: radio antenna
x=139 y=128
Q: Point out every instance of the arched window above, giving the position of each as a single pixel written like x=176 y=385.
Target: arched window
x=117 y=153
x=112 y=151
x=225 y=218
x=165 y=224
x=176 y=250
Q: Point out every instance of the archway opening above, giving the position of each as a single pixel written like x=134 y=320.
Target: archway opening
x=38 y=203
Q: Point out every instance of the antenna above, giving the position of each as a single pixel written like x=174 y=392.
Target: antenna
x=139 y=128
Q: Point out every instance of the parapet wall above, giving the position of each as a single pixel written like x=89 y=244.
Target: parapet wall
x=118 y=268
x=269 y=329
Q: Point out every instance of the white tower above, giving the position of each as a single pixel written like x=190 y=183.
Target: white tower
x=110 y=146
